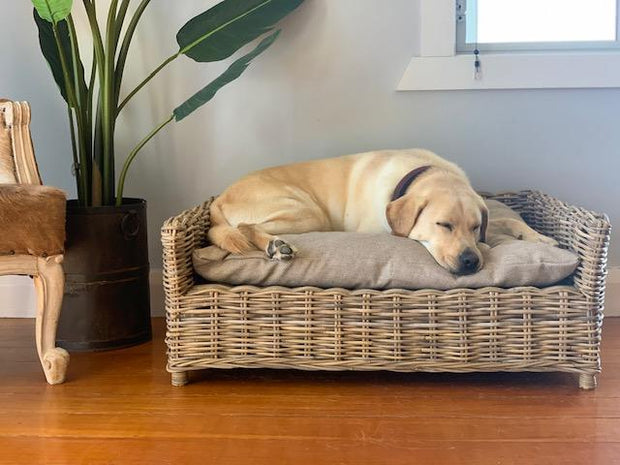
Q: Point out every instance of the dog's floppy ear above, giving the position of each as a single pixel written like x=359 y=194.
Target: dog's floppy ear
x=485 y=223
x=402 y=214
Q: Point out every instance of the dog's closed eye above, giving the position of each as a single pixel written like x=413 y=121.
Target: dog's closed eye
x=447 y=226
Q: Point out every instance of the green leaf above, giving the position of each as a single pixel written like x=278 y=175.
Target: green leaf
x=51 y=54
x=53 y=11
x=222 y=30
x=233 y=72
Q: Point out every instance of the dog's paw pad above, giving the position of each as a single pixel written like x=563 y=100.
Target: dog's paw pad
x=280 y=250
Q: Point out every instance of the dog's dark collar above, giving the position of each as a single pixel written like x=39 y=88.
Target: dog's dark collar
x=403 y=185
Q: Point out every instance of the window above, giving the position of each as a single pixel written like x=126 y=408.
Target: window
x=524 y=44
x=509 y=25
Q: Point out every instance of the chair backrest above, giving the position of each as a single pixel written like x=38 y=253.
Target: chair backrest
x=17 y=160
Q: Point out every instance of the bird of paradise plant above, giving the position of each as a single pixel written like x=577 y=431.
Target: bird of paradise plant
x=94 y=106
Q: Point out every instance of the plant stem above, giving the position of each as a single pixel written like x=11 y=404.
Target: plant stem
x=94 y=128
x=108 y=113
x=120 y=18
x=84 y=132
x=143 y=83
x=74 y=152
x=70 y=95
x=124 y=50
x=74 y=58
x=96 y=34
x=97 y=157
x=132 y=155
x=91 y=13
x=65 y=71
x=90 y=91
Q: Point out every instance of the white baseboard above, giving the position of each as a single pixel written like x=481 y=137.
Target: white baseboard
x=157 y=293
x=18 y=300
x=612 y=292
x=17 y=297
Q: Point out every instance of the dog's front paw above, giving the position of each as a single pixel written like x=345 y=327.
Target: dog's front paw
x=280 y=250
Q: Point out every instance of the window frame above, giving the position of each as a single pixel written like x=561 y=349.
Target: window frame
x=462 y=46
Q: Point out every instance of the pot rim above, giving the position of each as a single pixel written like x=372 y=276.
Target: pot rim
x=129 y=203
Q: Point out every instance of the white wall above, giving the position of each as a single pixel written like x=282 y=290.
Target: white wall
x=326 y=87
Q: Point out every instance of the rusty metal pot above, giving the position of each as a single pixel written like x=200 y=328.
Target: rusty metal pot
x=106 y=303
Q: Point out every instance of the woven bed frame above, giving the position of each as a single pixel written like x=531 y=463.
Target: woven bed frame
x=462 y=330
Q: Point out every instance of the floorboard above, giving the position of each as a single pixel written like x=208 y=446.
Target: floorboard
x=118 y=407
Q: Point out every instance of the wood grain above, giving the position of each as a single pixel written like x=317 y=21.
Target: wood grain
x=118 y=407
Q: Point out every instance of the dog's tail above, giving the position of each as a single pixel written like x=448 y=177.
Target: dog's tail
x=226 y=236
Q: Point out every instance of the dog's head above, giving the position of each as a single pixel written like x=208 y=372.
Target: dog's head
x=447 y=217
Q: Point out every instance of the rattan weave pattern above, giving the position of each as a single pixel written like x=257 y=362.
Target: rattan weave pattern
x=491 y=329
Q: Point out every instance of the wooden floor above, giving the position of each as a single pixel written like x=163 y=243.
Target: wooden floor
x=118 y=408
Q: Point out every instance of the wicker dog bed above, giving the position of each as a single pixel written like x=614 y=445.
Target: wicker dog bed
x=556 y=328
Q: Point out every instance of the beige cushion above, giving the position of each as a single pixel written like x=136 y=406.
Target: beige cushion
x=382 y=261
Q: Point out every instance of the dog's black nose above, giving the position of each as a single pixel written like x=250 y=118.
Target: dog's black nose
x=468 y=262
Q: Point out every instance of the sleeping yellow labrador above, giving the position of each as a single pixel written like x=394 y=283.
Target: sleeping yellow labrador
x=411 y=193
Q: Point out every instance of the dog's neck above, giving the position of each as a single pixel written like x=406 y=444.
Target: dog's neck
x=405 y=182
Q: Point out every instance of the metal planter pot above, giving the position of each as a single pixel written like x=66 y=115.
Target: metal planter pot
x=106 y=303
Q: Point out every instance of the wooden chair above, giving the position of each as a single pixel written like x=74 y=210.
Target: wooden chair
x=39 y=257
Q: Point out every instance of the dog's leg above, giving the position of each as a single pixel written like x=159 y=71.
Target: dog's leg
x=520 y=230
x=265 y=235
x=226 y=236
x=273 y=246
x=231 y=239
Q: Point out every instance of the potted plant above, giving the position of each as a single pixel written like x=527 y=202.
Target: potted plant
x=107 y=296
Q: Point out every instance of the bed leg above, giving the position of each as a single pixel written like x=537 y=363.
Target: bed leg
x=587 y=381
x=180 y=378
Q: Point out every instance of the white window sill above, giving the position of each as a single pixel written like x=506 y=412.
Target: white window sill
x=514 y=71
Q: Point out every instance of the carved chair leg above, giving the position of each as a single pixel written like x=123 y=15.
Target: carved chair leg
x=49 y=284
